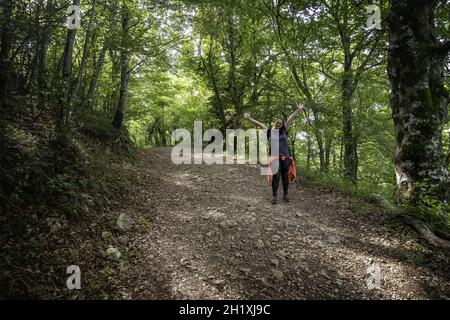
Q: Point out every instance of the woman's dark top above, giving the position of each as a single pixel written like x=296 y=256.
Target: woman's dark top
x=282 y=139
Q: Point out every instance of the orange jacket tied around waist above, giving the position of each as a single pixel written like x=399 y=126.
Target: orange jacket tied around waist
x=292 y=170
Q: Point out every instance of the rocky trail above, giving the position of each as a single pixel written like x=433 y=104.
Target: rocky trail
x=210 y=233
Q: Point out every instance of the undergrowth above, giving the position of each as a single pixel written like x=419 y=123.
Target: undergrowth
x=52 y=189
x=428 y=209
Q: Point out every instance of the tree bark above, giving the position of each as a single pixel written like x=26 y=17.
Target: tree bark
x=64 y=114
x=95 y=76
x=309 y=153
x=76 y=86
x=218 y=104
x=418 y=100
x=43 y=57
x=235 y=89
x=328 y=145
x=7 y=9
x=124 y=73
x=350 y=147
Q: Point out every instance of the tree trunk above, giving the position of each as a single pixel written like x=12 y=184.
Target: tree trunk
x=350 y=147
x=418 y=100
x=43 y=58
x=217 y=102
x=319 y=140
x=125 y=72
x=309 y=154
x=76 y=85
x=293 y=138
x=349 y=82
x=7 y=8
x=234 y=88
x=64 y=114
x=95 y=76
x=328 y=144
x=334 y=157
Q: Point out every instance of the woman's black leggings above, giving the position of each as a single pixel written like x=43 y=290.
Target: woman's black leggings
x=283 y=172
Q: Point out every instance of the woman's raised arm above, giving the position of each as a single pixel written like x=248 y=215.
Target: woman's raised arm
x=294 y=116
x=255 y=122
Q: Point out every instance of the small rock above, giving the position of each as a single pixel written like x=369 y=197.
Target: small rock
x=246 y=271
x=125 y=223
x=275 y=262
x=223 y=224
x=232 y=224
x=106 y=235
x=335 y=239
x=228 y=224
x=218 y=282
x=324 y=274
x=283 y=255
x=276 y=238
x=112 y=254
x=260 y=244
x=214 y=215
x=265 y=282
x=56 y=223
x=278 y=275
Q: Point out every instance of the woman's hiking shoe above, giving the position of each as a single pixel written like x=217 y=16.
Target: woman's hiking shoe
x=274 y=200
x=286 y=198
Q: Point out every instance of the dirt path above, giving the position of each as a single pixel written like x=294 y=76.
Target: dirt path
x=211 y=233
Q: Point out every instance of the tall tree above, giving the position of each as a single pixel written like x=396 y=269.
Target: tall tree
x=86 y=51
x=419 y=99
x=7 y=9
x=234 y=59
x=64 y=111
x=44 y=42
x=125 y=69
x=88 y=100
x=360 y=51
